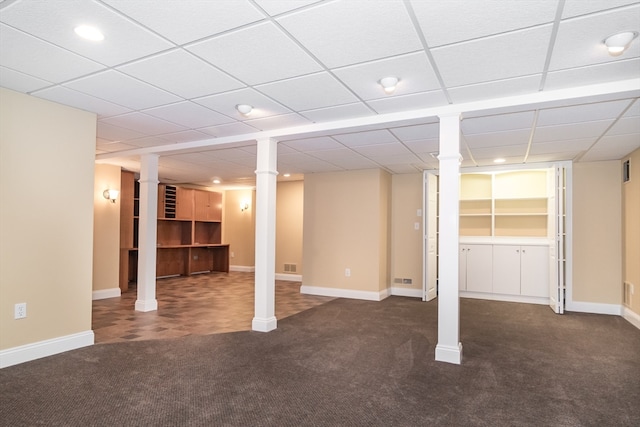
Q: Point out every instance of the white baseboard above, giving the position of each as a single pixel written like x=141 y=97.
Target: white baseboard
x=406 y=292
x=37 y=350
x=344 y=293
x=243 y=268
x=502 y=297
x=449 y=354
x=594 y=307
x=105 y=293
x=289 y=277
x=631 y=316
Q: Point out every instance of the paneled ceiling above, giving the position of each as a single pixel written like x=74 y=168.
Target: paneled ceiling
x=170 y=72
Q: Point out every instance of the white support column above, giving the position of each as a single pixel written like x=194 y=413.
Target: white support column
x=147 y=234
x=265 y=282
x=449 y=347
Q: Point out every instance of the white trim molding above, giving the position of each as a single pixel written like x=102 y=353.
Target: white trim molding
x=106 y=293
x=594 y=307
x=37 y=350
x=406 y=292
x=344 y=293
x=289 y=277
x=631 y=316
x=243 y=268
x=503 y=297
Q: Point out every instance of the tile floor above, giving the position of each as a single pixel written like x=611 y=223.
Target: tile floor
x=196 y=305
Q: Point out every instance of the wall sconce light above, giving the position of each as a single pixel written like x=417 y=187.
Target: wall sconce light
x=111 y=195
x=618 y=43
x=244 y=205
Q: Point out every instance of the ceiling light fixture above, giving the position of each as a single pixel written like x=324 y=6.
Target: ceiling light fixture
x=244 y=109
x=389 y=84
x=618 y=43
x=499 y=160
x=88 y=32
x=216 y=181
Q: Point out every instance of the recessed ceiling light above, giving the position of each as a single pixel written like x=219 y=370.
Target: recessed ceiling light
x=287 y=175
x=389 y=84
x=216 y=181
x=618 y=43
x=499 y=160
x=90 y=33
x=244 y=109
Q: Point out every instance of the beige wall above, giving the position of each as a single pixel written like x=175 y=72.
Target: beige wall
x=238 y=227
x=289 y=217
x=406 y=241
x=106 y=223
x=631 y=224
x=46 y=218
x=344 y=228
x=597 y=232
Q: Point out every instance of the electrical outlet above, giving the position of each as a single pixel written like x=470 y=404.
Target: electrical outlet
x=233 y=254
x=347 y=272
x=20 y=310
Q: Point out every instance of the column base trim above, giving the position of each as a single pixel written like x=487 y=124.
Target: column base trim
x=449 y=354
x=146 y=305
x=264 y=325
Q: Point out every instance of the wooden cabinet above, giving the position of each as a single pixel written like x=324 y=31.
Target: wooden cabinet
x=505 y=204
x=189 y=231
x=475 y=268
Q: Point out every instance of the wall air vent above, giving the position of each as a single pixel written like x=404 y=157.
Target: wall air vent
x=290 y=268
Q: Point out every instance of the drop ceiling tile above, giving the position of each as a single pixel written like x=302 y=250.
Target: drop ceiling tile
x=181 y=73
x=505 y=151
x=186 y=136
x=229 y=130
x=225 y=103
x=498 y=139
x=373 y=137
x=346 y=159
x=110 y=146
x=33 y=57
x=184 y=21
x=413 y=70
x=553 y=157
x=110 y=132
x=313 y=144
x=626 y=126
x=519 y=53
x=267 y=54
x=397 y=159
x=593 y=74
x=382 y=151
x=471 y=20
x=308 y=92
x=276 y=7
x=612 y=148
x=571 y=131
x=634 y=110
x=424 y=146
x=572 y=145
x=497 y=123
x=55 y=21
x=580 y=7
x=581 y=113
x=381 y=28
x=580 y=41
x=417 y=132
x=122 y=90
x=406 y=168
x=279 y=122
x=231 y=154
x=189 y=115
x=148 y=141
x=20 y=82
x=415 y=101
x=496 y=89
x=340 y=112
x=517 y=160
x=66 y=96
x=141 y=122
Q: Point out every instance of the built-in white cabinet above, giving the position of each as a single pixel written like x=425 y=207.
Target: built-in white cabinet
x=521 y=270
x=475 y=268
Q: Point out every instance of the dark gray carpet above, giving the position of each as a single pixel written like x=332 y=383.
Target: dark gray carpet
x=348 y=363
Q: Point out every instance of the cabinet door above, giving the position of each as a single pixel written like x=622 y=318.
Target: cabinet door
x=479 y=268
x=184 y=203
x=201 y=205
x=534 y=271
x=506 y=269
